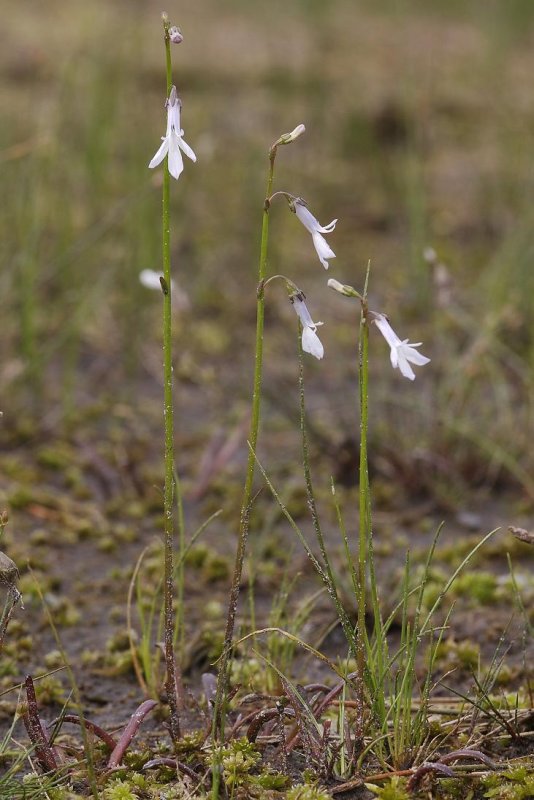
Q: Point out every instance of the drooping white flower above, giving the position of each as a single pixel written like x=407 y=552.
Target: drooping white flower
x=403 y=352
x=150 y=279
x=324 y=251
x=173 y=142
x=310 y=341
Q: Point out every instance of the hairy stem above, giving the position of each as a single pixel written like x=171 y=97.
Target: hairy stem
x=222 y=685
x=364 y=506
x=168 y=494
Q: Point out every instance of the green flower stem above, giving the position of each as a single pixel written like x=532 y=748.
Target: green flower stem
x=168 y=494
x=327 y=574
x=364 y=508
x=222 y=684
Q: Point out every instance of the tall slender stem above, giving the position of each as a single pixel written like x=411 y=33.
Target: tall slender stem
x=327 y=575
x=364 y=501
x=218 y=728
x=168 y=494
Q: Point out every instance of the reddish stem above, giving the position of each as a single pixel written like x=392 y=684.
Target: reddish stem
x=129 y=732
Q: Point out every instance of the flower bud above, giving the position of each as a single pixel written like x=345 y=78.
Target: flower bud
x=287 y=138
x=175 y=35
x=343 y=288
x=9 y=573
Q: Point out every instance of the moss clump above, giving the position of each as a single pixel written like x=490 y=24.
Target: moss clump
x=238 y=758
x=50 y=691
x=303 y=791
x=516 y=784
x=464 y=654
x=120 y=790
x=395 y=789
x=478 y=586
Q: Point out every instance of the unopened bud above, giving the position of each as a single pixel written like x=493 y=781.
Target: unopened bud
x=164 y=16
x=4 y=518
x=175 y=35
x=287 y=138
x=343 y=288
x=9 y=573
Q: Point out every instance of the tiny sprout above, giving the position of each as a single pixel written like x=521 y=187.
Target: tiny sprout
x=175 y=35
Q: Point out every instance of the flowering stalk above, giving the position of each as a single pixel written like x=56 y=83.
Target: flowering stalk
x=364 y=504
x=168 y=493
x=364 y=533
x=222 y=683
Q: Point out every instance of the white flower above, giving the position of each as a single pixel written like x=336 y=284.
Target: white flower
x=324 y=250
x=175 y=35
x=310 y=341
x=150 y=279
x=403 y=353
x=173 y=142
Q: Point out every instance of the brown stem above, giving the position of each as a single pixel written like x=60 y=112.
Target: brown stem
x=43 y=751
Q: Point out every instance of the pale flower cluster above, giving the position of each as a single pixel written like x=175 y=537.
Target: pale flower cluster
x=402 y=352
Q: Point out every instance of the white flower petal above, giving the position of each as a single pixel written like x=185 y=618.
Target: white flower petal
x=382 y=323
x=311 y=343
x=323 y=249
x=187 y=150
x=326 y=228
x=302 y=311
x=402 y=353
x=174 y=113
x=414 y=356
x=176 y=162
x=306 y=217
x=160 y=155
x=404 y=366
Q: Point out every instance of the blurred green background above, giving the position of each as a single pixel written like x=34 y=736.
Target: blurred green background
x=420 y=122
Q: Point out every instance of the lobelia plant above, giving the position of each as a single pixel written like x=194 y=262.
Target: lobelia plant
x=170 y=152
x=314 y=346
x=373 y=663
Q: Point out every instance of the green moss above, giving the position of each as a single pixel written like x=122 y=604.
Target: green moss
x=395 y=789
x=107 y=544
x=238 y=758
x=480 y=586
x=50 y=691
x=53 y=659
x=465 y=654
x=120 y=790
x=54 y=458
x=515 y=784
x=303 y=791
